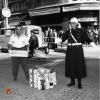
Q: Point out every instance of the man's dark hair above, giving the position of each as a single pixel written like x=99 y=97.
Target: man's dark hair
x=32 y=31
x=18 y=26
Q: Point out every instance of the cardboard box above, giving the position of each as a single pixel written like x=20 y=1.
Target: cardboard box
x=18 y=53
x=42 y=78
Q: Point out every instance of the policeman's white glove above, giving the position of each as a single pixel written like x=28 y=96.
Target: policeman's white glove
x=93 y=45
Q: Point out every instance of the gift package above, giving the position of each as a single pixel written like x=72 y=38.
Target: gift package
x=42 y=78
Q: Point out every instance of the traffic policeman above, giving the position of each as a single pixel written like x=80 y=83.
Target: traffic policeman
x=75 y=67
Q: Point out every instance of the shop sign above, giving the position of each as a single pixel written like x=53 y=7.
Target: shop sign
x=87 y=19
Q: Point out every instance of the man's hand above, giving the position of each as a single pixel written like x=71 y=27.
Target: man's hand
x=93 y=45
x=27 y=47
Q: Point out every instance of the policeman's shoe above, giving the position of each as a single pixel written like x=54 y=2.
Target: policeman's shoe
x=71 y=84
x=79 y=86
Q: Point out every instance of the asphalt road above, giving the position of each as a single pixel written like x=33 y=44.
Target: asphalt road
x=22 y=91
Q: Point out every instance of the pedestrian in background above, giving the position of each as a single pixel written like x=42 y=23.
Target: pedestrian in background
x=33 y=41
x=75 y=67
x=19 y=41
x=48 y=32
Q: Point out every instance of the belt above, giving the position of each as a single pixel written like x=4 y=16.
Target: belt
x=73 y=44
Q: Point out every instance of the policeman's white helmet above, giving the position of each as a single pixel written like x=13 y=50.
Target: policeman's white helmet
x=74 y=20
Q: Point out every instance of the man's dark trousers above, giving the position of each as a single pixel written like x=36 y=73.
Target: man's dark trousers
x=16 y=62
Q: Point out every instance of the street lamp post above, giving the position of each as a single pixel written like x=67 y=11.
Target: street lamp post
x=99 y=24
x=6 y=13
x=6 y=18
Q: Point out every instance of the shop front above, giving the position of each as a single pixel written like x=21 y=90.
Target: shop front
x=47 y=17
x=85 y=17
x=59 y=15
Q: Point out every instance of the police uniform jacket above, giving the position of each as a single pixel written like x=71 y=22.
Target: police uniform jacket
x=74 y=60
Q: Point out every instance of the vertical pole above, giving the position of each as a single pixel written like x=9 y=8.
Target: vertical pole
x=6 y=18
x=99 y=16
x=99 y=41
x=99 y=24
x=6 y=4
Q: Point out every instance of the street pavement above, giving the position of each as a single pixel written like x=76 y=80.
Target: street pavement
x=21 y=90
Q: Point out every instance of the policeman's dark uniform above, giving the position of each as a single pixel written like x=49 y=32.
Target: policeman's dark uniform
x=74 y=61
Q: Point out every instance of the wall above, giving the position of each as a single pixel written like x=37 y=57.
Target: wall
x=41 y=3
x=20 y=5
x=1 y=4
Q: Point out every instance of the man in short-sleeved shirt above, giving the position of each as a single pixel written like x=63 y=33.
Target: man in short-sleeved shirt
x=18 y=41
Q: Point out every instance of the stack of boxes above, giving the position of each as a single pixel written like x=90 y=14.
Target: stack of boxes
x=42 y=78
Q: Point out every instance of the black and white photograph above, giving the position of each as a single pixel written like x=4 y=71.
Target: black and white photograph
x=49 y=49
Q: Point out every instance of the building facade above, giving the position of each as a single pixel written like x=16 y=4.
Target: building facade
x=54 y=13
x=19 y=12
x=1 y=17
x=1 y=6
x=57 y=13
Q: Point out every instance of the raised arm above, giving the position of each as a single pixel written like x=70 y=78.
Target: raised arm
x=65 y=36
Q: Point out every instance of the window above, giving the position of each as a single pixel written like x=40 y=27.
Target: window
x=36 y=31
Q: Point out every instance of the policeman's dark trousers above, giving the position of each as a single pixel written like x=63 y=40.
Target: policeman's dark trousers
x=16 y=62
x=73 y=80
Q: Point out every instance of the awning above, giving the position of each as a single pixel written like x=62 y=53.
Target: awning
x=81 y=6
x=90 y=6
x=71 y=8
x=44 y=11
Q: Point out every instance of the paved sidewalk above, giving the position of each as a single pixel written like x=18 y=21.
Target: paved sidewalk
x=22 y=91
